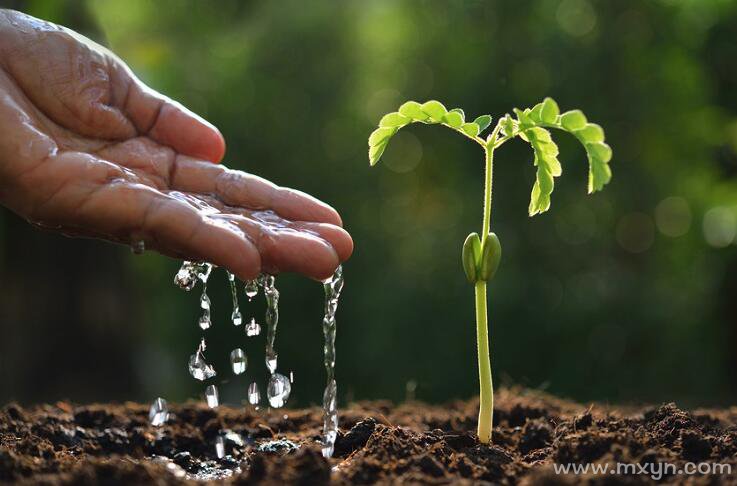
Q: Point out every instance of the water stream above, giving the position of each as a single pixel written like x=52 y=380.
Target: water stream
x=236 y=316
x=279 y=386
x=333 y=287
x=272 y=319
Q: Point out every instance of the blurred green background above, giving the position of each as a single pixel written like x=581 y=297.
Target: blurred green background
x=629 y=295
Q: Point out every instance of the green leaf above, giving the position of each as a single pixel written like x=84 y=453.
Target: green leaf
x=380 y=135
x=471 y=129
x=544 y=179
x=548 y=167
x=599 y=174
x=573 y=120
x=459 y=110
x=491 y=255
x=535 y=114
x=376 y=152
x=413 y=110
x=523 y=117
x=538 y=134
x=508 y=125
x=599 y=155
x=394 y=120
x=549 y=112
x=471 y=256
x=483 y=122
x=453 y=119
x=539 y=202
x=590 y=133
x=435 y=110
x=599 y=150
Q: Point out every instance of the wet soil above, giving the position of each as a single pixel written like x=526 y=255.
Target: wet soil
x=379 y=443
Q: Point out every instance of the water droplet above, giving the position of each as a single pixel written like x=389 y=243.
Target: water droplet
x=278 y=390
x=278 y=446
x=158 y=414
x=212 y=396
x=205 y=321
x=205 y=302
x=271 y=362
x=291 y=377
x=235 y=438
x=253 y=328
x=138 y=247
x=238 y=361
x=203 y=271
x=236 y=316
x=254 y=396
x=251 y=289
x=198 y=368
x=186 y=277
x=220 y=446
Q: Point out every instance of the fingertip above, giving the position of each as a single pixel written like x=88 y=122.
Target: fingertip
x=188 y=133
x=300 y=206
x=240 y=257
x=214 y=148
x=334 y=217
x=324 y=271
x=336 y=236
x=245 y=272
x=345 y=247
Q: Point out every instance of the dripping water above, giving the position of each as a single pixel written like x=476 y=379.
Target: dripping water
x=278 y=390
x=238 y=361
x=333 y=287
x=212 y=396
x=251 y=289
x=272 y=319
x=198 y=367
x=158 y=414
x=253 y=328
x=236 y=316
x=205 y=304
x=254 y=396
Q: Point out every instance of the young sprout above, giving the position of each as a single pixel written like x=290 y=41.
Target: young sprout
x=481 y=255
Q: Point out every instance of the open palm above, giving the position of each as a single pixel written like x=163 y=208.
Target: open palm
x=89 y=150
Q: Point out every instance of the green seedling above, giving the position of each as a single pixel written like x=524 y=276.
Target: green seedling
x=481 y=254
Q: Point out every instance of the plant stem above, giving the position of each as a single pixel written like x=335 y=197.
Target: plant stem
x=489 y=156
x=486 y=388
x=486 y=400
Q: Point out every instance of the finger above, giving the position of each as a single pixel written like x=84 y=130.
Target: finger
x=120 y=210
x=167 y=121
x=171 y=225
x=237 y=188
x=286 y=249
x=338 y=238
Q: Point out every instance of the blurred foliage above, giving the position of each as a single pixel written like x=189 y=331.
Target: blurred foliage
x=626 y=295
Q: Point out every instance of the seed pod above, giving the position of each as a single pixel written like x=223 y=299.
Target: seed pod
x=491 y=254
x=471 y=257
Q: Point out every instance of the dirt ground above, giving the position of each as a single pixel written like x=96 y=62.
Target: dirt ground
x=379 y=443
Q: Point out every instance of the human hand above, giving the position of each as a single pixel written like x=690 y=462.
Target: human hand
x=87 y=149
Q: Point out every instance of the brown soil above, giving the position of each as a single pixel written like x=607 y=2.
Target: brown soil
x=379 y=443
